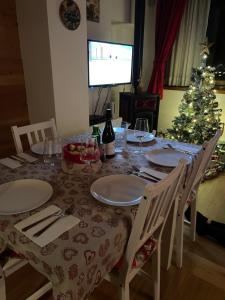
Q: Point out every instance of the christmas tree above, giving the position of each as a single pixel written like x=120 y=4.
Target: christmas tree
x=199 y=115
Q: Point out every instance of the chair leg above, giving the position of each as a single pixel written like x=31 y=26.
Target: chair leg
x=2 y=285
x=156 y=264
x=179 y=240
x=124 y=291
x=193 y=219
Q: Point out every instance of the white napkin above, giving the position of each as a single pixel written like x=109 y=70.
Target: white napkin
x=10 y=163
x=188 y=147
x=55 y=230
x=155 y=173
x=27 y=157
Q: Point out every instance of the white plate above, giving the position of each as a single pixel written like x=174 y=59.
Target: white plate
x=166 y=157
x=118 y=190
x=23 y=195
x=39 y=149
x=132 y=138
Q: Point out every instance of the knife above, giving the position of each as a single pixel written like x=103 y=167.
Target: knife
x=145 y=177
x=55 y=213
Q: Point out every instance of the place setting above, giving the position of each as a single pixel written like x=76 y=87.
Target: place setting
x=46 y=225
x=25 y=195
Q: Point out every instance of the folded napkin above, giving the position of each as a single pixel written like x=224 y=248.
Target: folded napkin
x=10 y=163
x=27 y=157
x=55 y=230
x=159 y=175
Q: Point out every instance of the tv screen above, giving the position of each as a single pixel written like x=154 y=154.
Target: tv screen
x=109 y=63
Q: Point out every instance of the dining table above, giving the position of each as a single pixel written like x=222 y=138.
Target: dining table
x=77 y=261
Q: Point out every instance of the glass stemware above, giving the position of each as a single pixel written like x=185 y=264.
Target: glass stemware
x=141 y=129
x=90 y=152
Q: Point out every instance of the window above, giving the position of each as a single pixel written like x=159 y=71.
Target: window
x=215 y=34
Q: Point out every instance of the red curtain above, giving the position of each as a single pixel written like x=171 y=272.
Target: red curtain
x=168 y=18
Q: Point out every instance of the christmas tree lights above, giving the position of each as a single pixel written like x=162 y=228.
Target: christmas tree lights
x=199 y=113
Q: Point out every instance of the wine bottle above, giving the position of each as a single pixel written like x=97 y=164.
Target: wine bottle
x=108 y=136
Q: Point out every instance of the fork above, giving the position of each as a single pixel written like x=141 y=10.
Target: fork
x=67 y=212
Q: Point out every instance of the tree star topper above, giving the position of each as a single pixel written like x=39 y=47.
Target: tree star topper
x=205 y=47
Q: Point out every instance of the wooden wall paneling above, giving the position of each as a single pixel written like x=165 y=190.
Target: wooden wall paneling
x=13 y=105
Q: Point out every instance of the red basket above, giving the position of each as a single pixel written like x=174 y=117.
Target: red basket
x=68 y=154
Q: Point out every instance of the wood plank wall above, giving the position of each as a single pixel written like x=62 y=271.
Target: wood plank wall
x=13 y=105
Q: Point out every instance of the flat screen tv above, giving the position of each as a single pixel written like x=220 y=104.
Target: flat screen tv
x=109 y=63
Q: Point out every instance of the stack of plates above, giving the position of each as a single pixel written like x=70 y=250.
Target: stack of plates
x=133 y=139
x=167 y=157
x=119 y=190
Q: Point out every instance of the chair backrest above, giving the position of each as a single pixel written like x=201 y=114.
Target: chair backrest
x=197 y=168
x=35 y=133
x=208 y=149
x=153 y=211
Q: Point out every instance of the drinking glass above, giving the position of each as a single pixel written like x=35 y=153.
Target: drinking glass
x=90 y=152
x=141 y=129
x=52 y=151
x=121 y=137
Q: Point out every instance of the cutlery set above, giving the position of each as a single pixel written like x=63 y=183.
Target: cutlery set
x=59 y=214
x=138 y=172
x=179 y=150
x=15 y=161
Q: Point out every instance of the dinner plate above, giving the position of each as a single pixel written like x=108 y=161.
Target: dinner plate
x=132 y=138
x=118 y=190
x=39 y=149
x=23 y=195
x=166 y=157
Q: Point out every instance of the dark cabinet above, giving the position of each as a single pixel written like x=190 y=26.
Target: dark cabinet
x=144 y=105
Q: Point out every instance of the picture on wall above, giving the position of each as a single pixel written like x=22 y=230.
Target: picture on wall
x=93 y=10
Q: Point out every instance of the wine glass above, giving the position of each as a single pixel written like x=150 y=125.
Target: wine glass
x=141 y=129
x=90 y=152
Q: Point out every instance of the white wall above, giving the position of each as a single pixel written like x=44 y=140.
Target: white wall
x=35 y=52
x=69 y=70
x=111 y=11
x=169 y=108
x=55 y=65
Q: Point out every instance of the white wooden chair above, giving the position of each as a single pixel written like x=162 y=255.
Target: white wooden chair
x=146 y=232
x=35 y=133
x=11 y=266
x=189 y=194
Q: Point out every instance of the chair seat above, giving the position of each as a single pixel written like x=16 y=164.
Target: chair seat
x=142 y=255
x=6 y=255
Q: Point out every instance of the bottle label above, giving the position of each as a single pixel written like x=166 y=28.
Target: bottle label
x=110 y=148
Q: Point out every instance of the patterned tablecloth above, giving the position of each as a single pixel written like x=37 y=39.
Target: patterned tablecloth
x=77 y=261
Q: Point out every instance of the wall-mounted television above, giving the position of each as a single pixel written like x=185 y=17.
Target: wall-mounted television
x=109 y=63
